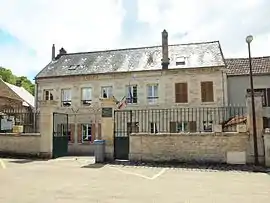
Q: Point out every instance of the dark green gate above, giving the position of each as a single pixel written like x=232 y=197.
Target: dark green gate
x=60 y=135
x=123 y=127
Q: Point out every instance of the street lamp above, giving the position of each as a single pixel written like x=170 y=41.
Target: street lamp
x=249 y=40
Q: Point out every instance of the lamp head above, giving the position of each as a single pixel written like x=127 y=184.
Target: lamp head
x=249 y=39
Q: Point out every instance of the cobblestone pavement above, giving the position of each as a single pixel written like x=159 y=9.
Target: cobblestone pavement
x=79 y=180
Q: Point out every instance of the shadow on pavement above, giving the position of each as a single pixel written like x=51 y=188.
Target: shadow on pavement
x=97 y=166
x=24 y=161
x=198 y=166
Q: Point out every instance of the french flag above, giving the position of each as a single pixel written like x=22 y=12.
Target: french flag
x=122 y=103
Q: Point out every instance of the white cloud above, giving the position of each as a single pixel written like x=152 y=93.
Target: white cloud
x=81 y=25
x=206 y=20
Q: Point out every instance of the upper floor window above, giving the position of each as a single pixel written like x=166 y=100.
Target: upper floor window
x=66 y=97
x=207 y=91
x=86 y=96
x=181 y=93
x=48 y=95
x=265 y=95
x=106 y=91
x=152 y=93
x=131 y=94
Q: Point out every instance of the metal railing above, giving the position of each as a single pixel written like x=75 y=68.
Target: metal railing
x=176 y=120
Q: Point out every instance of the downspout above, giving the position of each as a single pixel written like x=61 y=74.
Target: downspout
x=36 y=95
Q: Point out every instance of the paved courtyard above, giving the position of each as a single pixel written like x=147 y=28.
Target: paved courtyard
x=78 y=180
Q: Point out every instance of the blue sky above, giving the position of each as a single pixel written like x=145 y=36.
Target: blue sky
x=26 y=37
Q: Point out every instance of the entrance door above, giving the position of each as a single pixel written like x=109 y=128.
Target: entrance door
x=61 y=134
x=123 y=127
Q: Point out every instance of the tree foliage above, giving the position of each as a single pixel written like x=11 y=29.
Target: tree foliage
x=23 y=81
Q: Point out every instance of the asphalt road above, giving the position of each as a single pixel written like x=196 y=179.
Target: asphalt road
x=79 y=180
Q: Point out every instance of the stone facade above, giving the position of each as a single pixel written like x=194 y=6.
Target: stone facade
x=193 y=147
x=79 y=114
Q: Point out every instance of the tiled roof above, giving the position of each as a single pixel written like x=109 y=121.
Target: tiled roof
x=206 y=54
x=240 y=66
x=29 y=99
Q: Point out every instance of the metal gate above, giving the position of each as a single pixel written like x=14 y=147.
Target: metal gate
x=122 y=130
x=60 y=134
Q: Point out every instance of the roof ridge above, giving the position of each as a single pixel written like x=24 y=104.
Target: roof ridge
x=137 y=48
x=255 y=57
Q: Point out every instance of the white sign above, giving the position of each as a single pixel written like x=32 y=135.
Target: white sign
x=6 y=124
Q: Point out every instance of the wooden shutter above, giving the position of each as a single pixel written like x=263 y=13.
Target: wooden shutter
x=181 y=93
x=268 y=97
x=72 y=132
x=79 y=133
x=172 y=127
x=207 y=92
x=192 y=126
x=93 y=132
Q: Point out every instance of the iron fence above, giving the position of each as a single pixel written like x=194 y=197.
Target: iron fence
x=202 y=119
x=19 y=120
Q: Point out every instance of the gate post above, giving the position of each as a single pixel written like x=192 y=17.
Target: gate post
x=46 y=130
x=107 y=126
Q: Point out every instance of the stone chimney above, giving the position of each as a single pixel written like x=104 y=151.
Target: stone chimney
x=53 y=52
x=165 y=61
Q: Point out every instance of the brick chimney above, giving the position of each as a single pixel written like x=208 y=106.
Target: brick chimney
x=53 y=52
x=165 y=61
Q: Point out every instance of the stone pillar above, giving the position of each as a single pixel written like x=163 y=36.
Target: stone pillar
x=107 y=126
x=267 y=149
x=259 y=127
x=46 y=130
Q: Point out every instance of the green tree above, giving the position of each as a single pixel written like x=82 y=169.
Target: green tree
x=7 y=76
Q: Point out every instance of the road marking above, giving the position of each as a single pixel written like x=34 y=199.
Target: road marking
x=2 y=163
x=139 y=175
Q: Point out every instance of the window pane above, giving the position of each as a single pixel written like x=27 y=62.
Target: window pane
x=86 y=93
x=66 y=95
x=155 y=91
x=149 y=91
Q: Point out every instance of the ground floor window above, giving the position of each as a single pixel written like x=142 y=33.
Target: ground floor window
x=86 y=133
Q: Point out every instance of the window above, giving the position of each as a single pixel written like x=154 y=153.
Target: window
x=86 y=133
x=133 y=127
x=266 y=122
x=152 y=94
x=153 y=127
x=86 y=96
x=180 y=61
x=66 y=97
x=181 y=93
x=207 y=91
x=207 y=126
x=177 y=127
x=106 y=92
x=265 y=95
x=132 y=96
x=48 y=95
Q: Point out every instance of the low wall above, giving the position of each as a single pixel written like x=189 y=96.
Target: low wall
x=24 y=144
x=193 y=147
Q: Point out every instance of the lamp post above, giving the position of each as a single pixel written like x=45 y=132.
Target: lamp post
x=256 y=161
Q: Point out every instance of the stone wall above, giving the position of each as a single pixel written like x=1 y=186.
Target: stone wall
x=193 y=147
x=24 y=144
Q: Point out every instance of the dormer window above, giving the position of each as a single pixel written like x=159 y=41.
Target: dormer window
x=181 y=61
x=72 y=67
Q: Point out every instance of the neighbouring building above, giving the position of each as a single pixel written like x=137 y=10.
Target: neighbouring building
x=239 y=81
x=16 y=107
x=157 y=77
